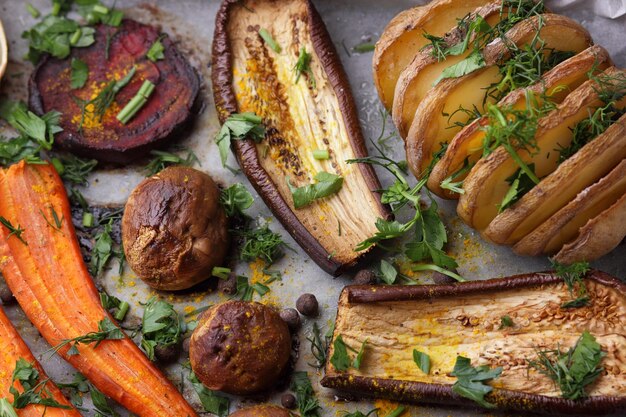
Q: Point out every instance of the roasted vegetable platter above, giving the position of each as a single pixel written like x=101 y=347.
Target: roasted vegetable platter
x=316 y=257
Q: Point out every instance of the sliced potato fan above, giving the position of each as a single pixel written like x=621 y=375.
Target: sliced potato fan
x=435 y=120
x=575 y=174
x=598 y=237
x=556 y=84
x=564 y=225
x=403 y=38
x=418 y=77
x=486 y=185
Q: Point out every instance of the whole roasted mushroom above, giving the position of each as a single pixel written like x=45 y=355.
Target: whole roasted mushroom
x=174 y=229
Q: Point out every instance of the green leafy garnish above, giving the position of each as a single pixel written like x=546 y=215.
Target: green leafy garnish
x=326 y=184
x=102 y=250
x=262 y=243
x=163 y=159
x=397 y=412
x=572 y=371
x=74 y=169
x=6 y=409
x=13 y=231
x=303 y=66
x=211 y=402
x=308 y=405
x=58 y=222
x=269 y=40
x=470 y=64
x=388 y=272
x=364 y=47
x=360 y=414
x=33 y=389
x=79 y=74
x=422 y=360
x=236 y=199
x=341 y=360
x=56 y=35
x=430 y=239
x=136 y=103
x=520 y=184
x=573 y=275
x=155 y=53
x=161 y=326
x=101 y=404
x=239 y=126
x=245 y=290
x=319 y=346
x=471 y=381
x=107 y=330
x=506 y=321
x=114 y=305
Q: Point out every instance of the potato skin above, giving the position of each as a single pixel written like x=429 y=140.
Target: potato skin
x=174 y=229
x=240 y=347
x=263 y=410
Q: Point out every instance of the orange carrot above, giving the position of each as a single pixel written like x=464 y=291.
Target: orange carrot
x=13 y=348
x=45 y=270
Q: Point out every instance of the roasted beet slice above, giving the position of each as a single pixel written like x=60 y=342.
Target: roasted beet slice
x=115 y=52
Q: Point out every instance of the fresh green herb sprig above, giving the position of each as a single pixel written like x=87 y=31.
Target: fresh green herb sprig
x=236 y=199
x=155 y=53
x=114 y=305
x=572 y=371
x=102 y=250
x=79 y=73
x=13 y=231
x=163 y=159
x=239 y=126
x=319 y=346
x=211 y=402
x=422 y=361
x=269 y=40
x=245 y=290
x=397 y=412
x=6 y=409
x=262 y=243
x=308 y=404
x=34 y=389
x=326 y=185
x=506 y=321
x=303 y=66
x=56 y=35
x=341 y=359
x=360 y=414
x=162 y=327
x=573 y=275
x=56 y=222
x=74 y=169
x=471 y=381
x=107 y=330
x=520 y=183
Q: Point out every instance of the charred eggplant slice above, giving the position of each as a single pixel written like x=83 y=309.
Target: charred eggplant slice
x=294 y=81
x=92 y=129
x=466 y=319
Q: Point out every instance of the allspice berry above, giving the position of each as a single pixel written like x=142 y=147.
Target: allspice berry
x=307 y=305
x=292 y=318
x=288 y=401
x=364 y=277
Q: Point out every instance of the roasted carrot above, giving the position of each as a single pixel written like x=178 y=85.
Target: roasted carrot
x=13 y=348
x=44 y=268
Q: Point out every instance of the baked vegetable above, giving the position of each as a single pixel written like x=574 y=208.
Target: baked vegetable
x=264 y=410
x=303 y=98
x=89 y=119
x=580 y=171
x=438 y=118
x=419 y=76
x=556 y=84
x=564 y=225
x=44 y=268
x=500 y=326
x=13 y=349
x=240 y=348
x=486 y=185
x=403 y=38
x=174 y=229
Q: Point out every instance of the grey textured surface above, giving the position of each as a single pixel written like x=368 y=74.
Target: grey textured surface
x=349 y=22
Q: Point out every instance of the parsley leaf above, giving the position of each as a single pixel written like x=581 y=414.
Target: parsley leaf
x=573 y=370
x=211 y=402
x=239 y=126
x=235 y=200
x=430 y=237
x=33 y=389
x=470 y=64
x=161 y=326
x=471 y=381
x=164 y=159
x=102 y=250
x=56 y=35
x=79 y=74
x=388 y=273
x=327 y=184
x=422 y=360
x=341 y=360
x=100 y=403
x=155 y=53
x=308 y=405
x=520 y=184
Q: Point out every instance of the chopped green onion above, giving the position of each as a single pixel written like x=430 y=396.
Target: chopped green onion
x=321 y=154
x=87 y=219
x=136 y=103
x=58 y=165
x=98 y=8
x=220 y=272
x=56 y=8
x=267 y=37
x=32 y=10
x=122 y=310
x=76 y=36
x=364 y=47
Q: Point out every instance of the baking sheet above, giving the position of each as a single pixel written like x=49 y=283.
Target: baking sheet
x=349 y=22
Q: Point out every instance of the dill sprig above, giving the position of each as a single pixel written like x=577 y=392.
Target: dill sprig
x=262 y=243
x=303 y=66
x=308 y=405
x=573 y=275
x=572 y=371
x=74 y=169
x=13 y=231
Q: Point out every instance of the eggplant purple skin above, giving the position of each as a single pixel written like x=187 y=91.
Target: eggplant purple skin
x=157 y=136
x=419 y=392
x=245 y=150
